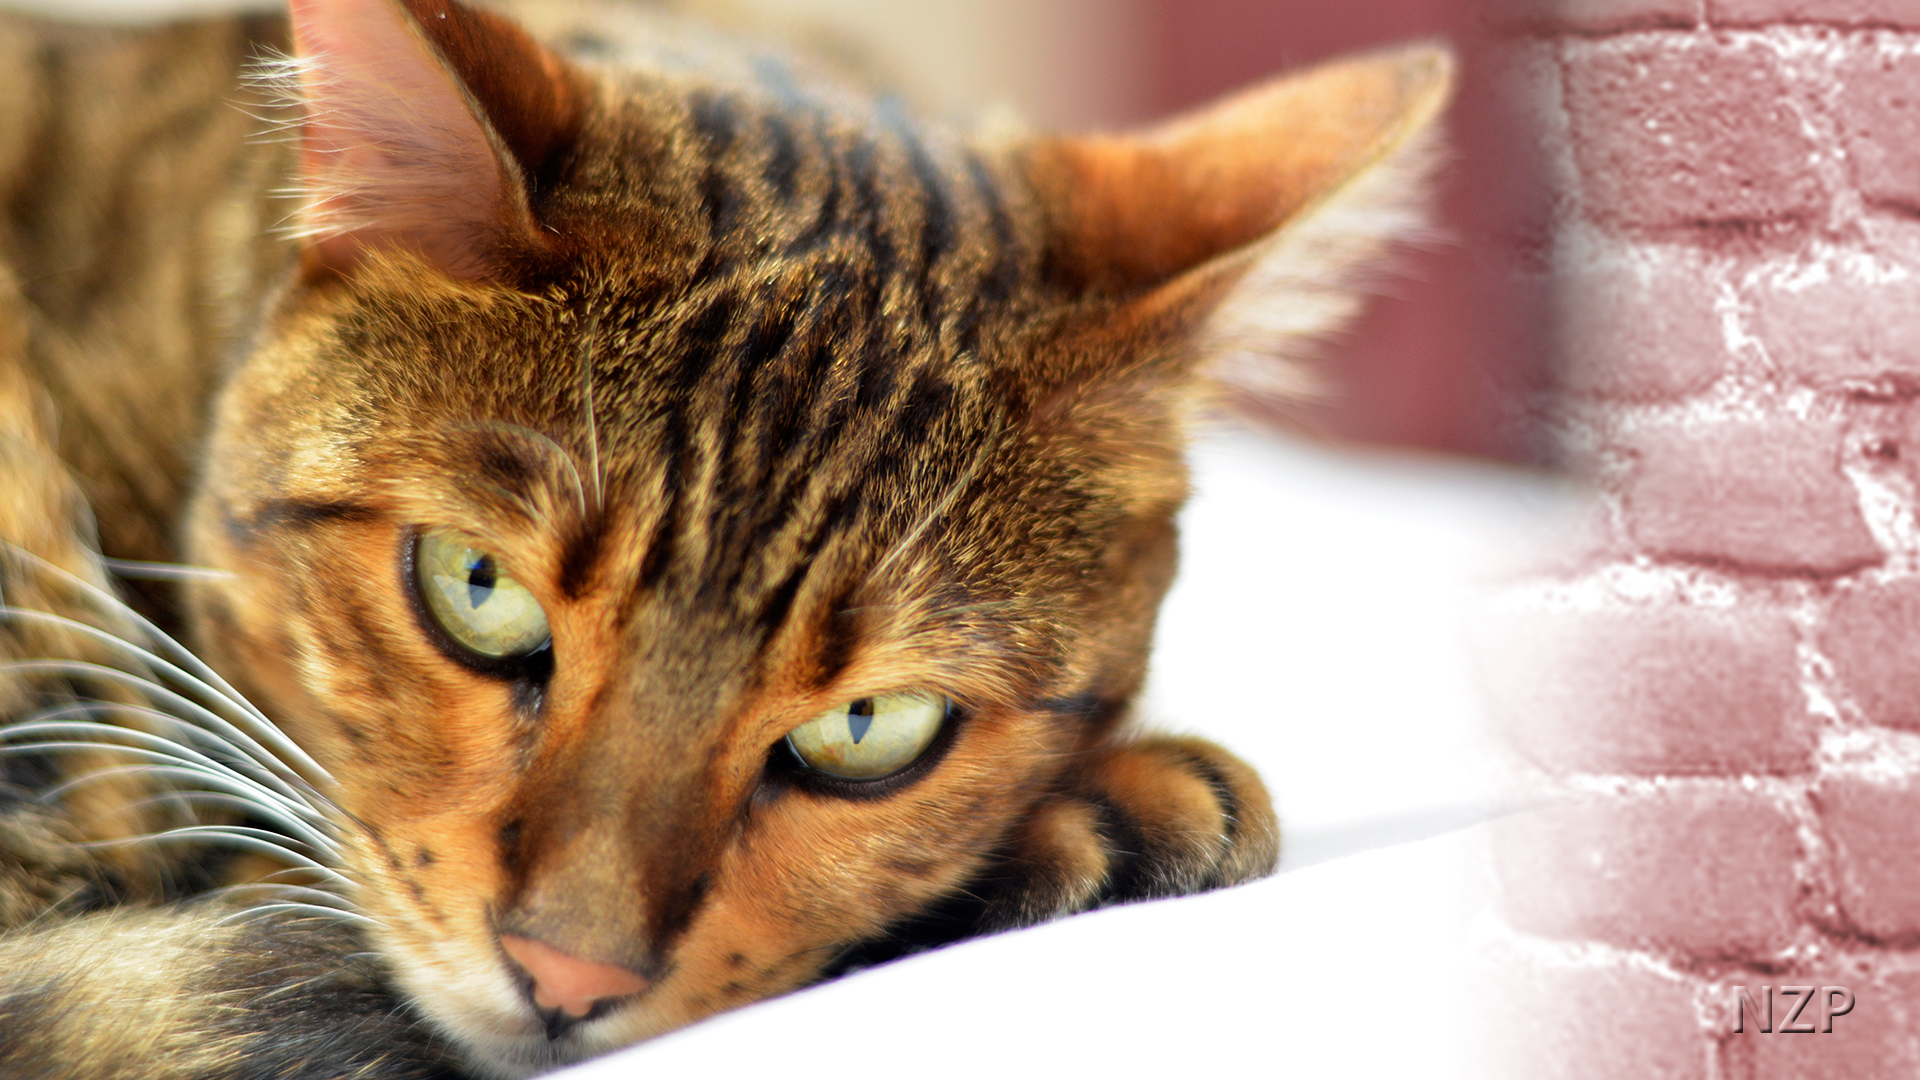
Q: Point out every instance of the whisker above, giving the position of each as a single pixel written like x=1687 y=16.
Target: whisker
x=288 y=750
x=137 y=570
x=158 y=765
x=84 y=669
x=316 y=897
x=119 y=644
x=593 y=431
x=222 y=800
x=93 y=709
x=216 y=836
x=337 y=914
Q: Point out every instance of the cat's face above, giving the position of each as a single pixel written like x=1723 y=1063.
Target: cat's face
x=722 y=553
x=712 y=527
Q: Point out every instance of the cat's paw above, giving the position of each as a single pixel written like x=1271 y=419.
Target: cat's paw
x=1158 y=816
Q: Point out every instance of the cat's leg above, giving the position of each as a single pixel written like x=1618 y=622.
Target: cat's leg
x=201 y=994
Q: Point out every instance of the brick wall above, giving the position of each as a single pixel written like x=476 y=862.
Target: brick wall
x=1718 y=700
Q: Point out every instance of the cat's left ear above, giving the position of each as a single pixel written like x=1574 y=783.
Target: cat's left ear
x=1243 y=226
x=426 y=121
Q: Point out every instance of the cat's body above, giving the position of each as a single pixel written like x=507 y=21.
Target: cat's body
x=750 y=402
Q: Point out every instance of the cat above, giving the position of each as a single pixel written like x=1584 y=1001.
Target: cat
x=657 y=525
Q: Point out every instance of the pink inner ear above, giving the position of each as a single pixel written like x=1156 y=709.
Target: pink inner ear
x=393 y=152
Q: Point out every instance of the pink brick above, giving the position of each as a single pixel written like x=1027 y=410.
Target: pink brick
x=1672 y=130
x=1666 y=689
x=1836 y=12
x=1699 y=871
x=1603 y=16
x=1875 y=831
x=1847 y=327
x=1591 y=1023
x=1639 y=328
x=1879 y=108
x=1761 y=494
x=1872 y=636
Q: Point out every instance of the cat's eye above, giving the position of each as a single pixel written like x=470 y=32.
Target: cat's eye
x=480 y=608
x=870 y=738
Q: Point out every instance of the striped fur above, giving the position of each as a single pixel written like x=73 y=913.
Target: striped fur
x=774 y=396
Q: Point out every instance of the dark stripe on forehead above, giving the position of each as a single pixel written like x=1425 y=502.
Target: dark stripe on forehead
x=717 y=123
x=839 y=633
x=579 y=554
x=298 y=514
x=997 y=285
x=929 y=398
x=702 y=341
x=868 y=209
x=827 y=217
x=660 y=546
x=840 y=514
x=501 y=463
x=1001 y=281
x=782 y=169
x=937 y=228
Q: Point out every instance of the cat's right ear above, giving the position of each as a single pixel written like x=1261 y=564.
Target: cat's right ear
x=1242 y=228
x=425 y=122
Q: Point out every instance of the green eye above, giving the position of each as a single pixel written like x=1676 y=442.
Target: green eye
x=870 y=738
x=475 y=603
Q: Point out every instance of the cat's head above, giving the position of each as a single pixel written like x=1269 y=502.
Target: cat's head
x=703 y=519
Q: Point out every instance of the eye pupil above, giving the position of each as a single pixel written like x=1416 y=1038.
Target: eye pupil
x=859 y=719
x=480 y=578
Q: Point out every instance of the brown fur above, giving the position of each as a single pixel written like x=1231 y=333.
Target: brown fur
x=773 y=398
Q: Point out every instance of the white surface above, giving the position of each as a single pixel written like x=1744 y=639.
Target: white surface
x=1315 y=630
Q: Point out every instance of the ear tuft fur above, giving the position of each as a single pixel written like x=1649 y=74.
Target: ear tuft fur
x=1253 y=223
x=1307 y=282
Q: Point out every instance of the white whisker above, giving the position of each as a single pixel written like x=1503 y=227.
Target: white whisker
x=296 y=893
x=84 y=669
x=136 y=570
x=289 y=751
x=586 y=392
x=268 y=777
x=258 y=841
x=262 y=910
x=155 y=765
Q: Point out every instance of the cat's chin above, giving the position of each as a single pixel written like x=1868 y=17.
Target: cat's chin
x=496 y=1057
x=511 y=1044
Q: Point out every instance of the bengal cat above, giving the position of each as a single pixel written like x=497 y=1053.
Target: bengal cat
x=698 y=527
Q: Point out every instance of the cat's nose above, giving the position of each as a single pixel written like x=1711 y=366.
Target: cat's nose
x=565 y=982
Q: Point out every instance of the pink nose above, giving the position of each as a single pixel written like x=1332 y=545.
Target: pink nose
x=569 y=983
